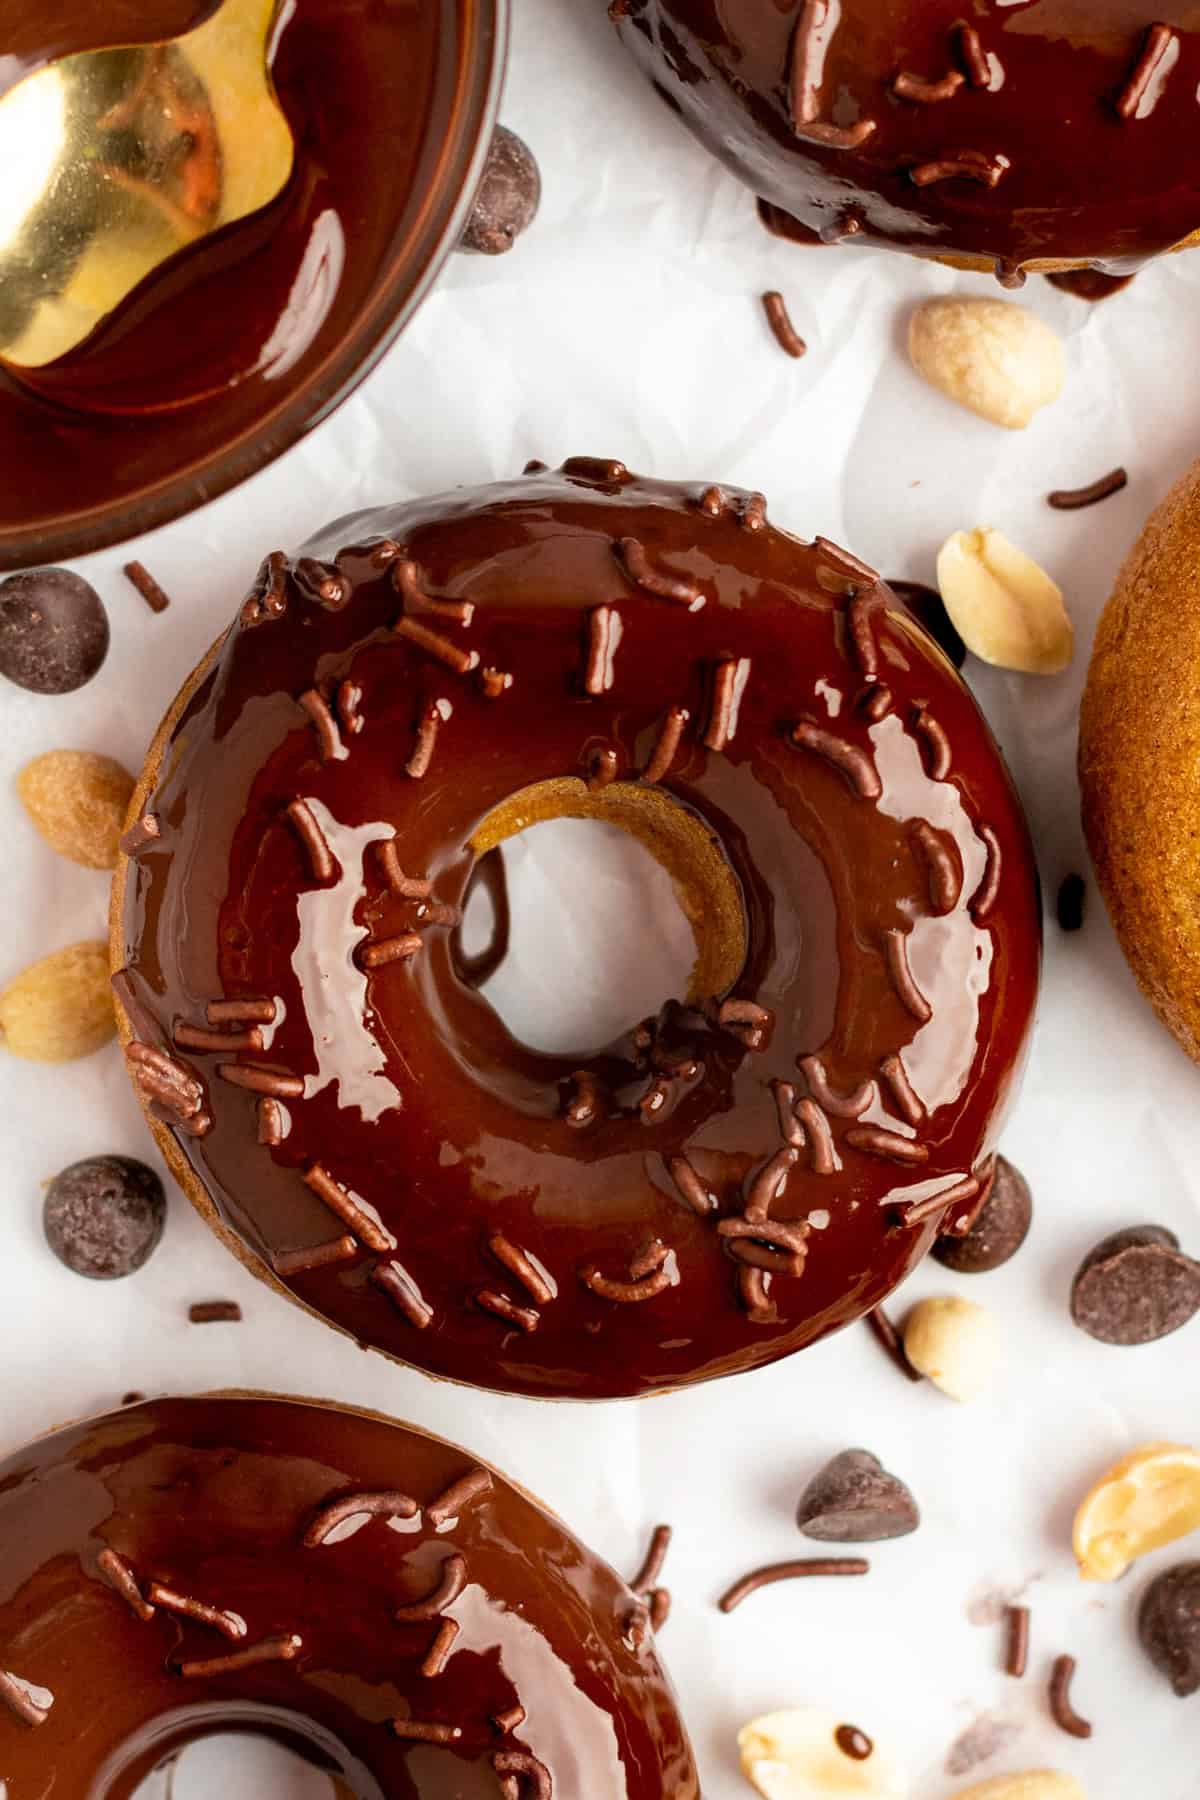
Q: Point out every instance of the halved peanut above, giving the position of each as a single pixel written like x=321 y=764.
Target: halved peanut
x=1148 y=1499
x=61 y=1007
x=78 y=801
x=1035 y=1784
x=954 y=1342
x=804 y=1753
x=992 y=356
x=1004 y=607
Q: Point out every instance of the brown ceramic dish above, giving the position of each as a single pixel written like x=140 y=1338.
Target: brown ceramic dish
x=371 y=1597
x=729 y=1180
x=1045 y=137
x=240 y=344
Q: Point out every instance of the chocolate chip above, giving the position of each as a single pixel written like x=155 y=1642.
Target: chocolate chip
x=53 y=630
x=104 y=1216
x=1072 y=896
x=1169 y=1626
x=1135 y=1286
x=508 y=196
x=929 y=609
x=853 y=1500
x=1000 y=1228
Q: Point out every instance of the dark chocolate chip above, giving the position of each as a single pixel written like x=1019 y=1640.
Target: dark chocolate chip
x=53 y=630
x=853 y=1500
x=928 y=607
x=1072 y=896
x=1000 y=1229
x=1135 y=1286
x=104 y=1216
x=508 y=196
x=1169 y=1626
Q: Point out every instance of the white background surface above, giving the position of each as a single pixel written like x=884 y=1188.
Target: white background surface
x=627 y=324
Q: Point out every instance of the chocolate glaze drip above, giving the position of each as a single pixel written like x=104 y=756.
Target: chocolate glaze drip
x=449 y=1136
x=1038 y=132
x=217 y=342
x=216 y=1496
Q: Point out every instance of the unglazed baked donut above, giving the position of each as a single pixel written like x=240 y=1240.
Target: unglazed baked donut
x=728 y=1181
x=367 y=1594
x=1038 y=136
x=1139 y=760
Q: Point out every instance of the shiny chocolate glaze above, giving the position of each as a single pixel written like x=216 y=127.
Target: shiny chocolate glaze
x=463 y=1143
x=223 y=355
x=213 y=1499
x=1039 y=88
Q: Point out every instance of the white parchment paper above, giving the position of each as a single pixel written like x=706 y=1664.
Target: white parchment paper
x=627 y=324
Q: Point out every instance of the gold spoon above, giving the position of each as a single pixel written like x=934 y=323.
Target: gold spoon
x=111 y=161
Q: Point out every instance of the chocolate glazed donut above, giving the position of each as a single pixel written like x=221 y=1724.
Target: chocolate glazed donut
x=369 y=1596
x=1043 y=135
x=758 y=1164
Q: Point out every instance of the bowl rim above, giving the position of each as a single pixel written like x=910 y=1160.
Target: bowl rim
x=483 y=34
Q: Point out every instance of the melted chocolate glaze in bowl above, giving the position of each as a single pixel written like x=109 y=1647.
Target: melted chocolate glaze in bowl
x=225 y=355
x=759 y=1163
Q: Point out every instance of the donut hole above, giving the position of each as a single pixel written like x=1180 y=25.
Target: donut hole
x=588 y=911
x=242 y=1754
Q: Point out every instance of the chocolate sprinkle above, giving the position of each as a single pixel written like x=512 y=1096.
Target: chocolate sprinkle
x=604 y=634
x=407 y=886
x=349 y=699
x=647 y=1270
x=525 y=1318
x=518 y=1263
x=494 y=682
x=1016 y=1652
x=904 y=1095
x=438 y=1654
x=974 y=56
x=229 y=1624
x=322 y=582
x=971 y=165
x=934 y=742
x=215 y=1312
x=587 y=1105
x=1156 y=47
x=712 y=502
x=670 y=733
x=691 y=1186
x=320 y=856
x=917 y=1212
x=790 y=1571
x=384 y=1503
x=418 y=763
x=927 y=93
x=515 y=1766
x=790 y=1129
x=461 y=661
x=140 y=835
x=282 y=1648
x=753 y=1291
x=278 y=1085
x=445 y=1591
x=858 y=619
x=846 y=562
x=784 y=332
x=769 y=1184
x=459 y=1494
x=267 y=599
x=421 y=1733
x=511 y=1720
x=234 y=1012
x=874 y=1140
x=394 y=1280
x=943 y=870
x=406 y=581
x=984 y=897
x=602 y=768
x=660 y=1608
x=1073 y=499
x=652 y=1564
x=368 y=1230
x=886 y=1335
x=119 y=1576
x=271 y=1119
x=821 y=1153
x=842 y=1106
x=1061 y=1710
x=316 y=1256
x=139 y=576
x=390 y=950
x=895 y=943
x=754 y=513
x=21 y=1703
x=632 y=554
x=847 y=759
x=195 y=1037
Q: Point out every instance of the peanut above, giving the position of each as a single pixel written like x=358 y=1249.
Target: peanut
x=59 y=1008
x=953 y=1342
x=78 y=801
x=1004 y=607
x=994 y=357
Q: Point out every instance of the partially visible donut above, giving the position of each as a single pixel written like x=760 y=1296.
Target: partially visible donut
x=726 y=1182
x=367 y=1594
x=1139 y=759
x=1000 y=138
